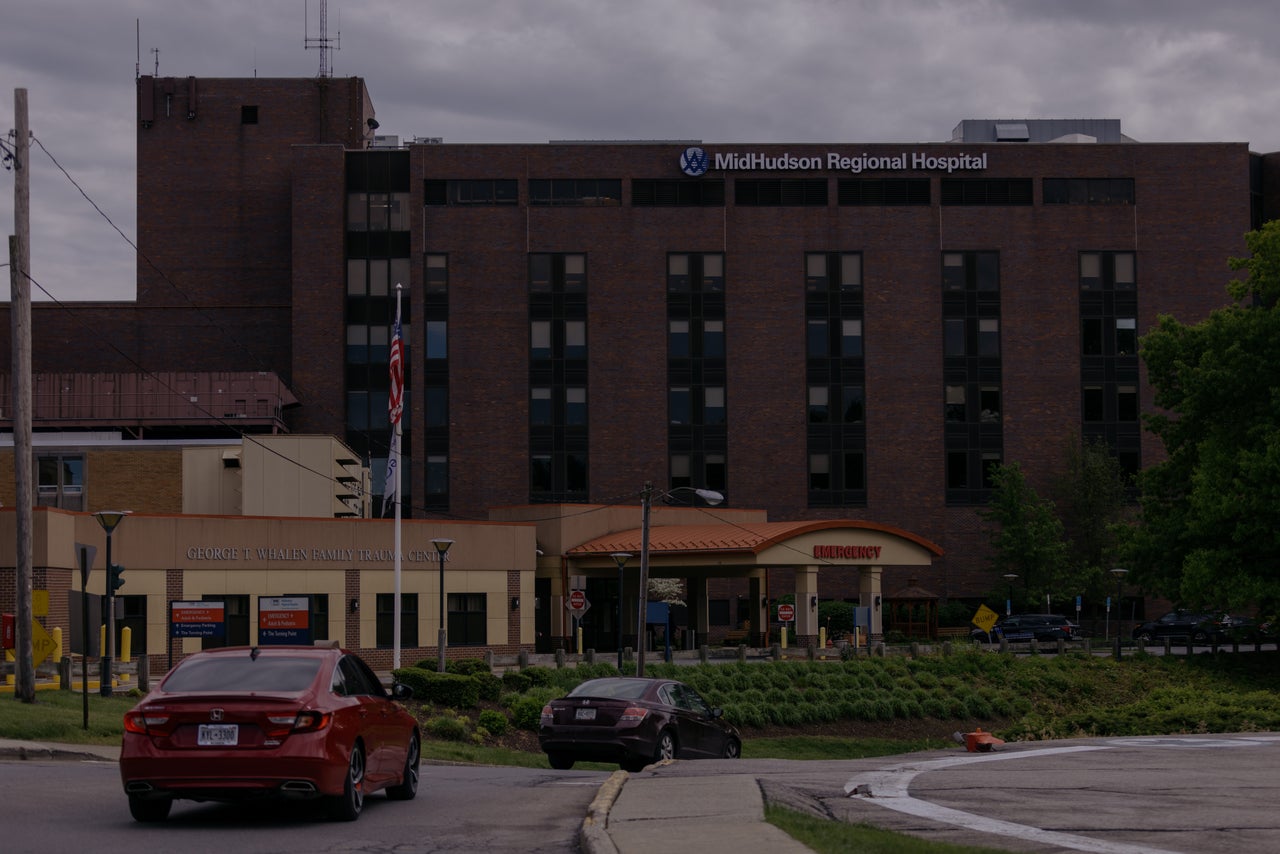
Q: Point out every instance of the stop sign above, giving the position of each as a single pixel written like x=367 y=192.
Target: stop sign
x=577 y=600
x=786 y=613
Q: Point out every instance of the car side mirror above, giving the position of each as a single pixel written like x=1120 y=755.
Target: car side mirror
x=716 y=712
x=401 y=691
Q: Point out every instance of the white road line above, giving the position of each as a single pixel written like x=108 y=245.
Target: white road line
x=888 y=788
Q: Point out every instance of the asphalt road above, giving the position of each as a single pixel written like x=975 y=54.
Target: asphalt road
x=1198 y=794
x=69 y=806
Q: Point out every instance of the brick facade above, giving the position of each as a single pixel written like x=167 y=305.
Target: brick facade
x=243 y=226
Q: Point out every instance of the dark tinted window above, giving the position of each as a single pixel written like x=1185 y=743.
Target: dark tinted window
x=267 y=673
x=623 y=689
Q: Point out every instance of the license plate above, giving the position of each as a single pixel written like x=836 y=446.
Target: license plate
x=218 y=735
x=585 y=715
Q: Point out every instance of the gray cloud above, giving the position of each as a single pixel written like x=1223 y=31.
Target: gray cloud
x=533 y=70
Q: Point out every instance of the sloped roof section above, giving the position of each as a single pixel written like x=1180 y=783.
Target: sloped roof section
x=732 y=538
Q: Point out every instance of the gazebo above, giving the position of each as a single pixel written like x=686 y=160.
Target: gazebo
x=912 y=611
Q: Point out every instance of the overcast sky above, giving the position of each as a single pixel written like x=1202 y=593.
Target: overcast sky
x=831 y=71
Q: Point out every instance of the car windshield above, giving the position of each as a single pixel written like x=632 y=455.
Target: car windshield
x=622 y=689
x=275 y=674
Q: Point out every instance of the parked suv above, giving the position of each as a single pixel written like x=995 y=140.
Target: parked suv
x=1025 y=627
x=1198 y=626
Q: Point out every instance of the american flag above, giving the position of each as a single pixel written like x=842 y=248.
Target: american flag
x=395 y=404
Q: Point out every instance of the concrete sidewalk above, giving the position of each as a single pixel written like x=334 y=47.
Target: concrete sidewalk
x=643 y=813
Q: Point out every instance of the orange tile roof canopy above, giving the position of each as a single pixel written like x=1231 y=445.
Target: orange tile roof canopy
x=841 y=541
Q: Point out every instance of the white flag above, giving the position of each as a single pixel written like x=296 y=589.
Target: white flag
x=389 y=496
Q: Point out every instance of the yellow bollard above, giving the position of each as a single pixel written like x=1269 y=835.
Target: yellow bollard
x=102 y=639
x=822 y=637
x=126 y=644
x=579 y=640
x=57 y=643
x=784 y=633
x=10 y=678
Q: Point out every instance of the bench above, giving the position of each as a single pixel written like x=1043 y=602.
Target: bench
x=735 y=637
x=953 y=632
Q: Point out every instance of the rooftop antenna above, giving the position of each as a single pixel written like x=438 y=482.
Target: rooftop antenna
x=155 y=51
x=322 y=42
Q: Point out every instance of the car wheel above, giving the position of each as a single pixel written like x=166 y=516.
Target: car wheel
x=559 y=761
x=149 y=809
x=732 y=749
x=347 y=806
x=666 y=748
x=1145 y=637
x=1199 y=636
x=409 y=780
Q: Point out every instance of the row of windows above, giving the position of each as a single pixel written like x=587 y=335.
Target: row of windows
x=836 y=399
x=748 y=192
x=960 y=272
x=466 y=624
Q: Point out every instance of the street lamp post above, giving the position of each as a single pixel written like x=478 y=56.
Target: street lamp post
x=109 y=520
x=620 y=558
x=646 y=501
x=1119 y=573
x=442 y=549
x=1008 y=603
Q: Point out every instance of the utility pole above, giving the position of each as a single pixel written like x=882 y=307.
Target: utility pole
x=20 y=331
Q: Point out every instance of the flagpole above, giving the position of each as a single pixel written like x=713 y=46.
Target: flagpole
x=397 y=396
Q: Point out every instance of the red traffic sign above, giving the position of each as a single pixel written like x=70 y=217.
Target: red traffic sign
x=786 y=613
x=577 y=600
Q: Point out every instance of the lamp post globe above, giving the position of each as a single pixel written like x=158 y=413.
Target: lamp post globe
x=1119 y=573
x=620 y=558
x=109 y=520
x=711 y=497
x=1008 y=604
x=442 y=549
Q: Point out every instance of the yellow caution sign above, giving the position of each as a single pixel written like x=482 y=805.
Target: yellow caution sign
x=985 y=618
x=41 y=643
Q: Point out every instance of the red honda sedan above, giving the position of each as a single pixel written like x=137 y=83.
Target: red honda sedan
x=291 y=722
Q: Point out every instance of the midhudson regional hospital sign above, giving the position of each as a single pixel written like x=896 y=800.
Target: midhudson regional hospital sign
x=695 y=161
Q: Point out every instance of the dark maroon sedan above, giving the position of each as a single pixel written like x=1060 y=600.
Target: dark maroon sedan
x=291 y=722
x=634 y=722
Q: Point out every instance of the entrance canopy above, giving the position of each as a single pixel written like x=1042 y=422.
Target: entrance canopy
x=836 y=542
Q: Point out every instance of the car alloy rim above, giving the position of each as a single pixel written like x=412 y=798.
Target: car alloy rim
x=411 y=777
x=357 y=778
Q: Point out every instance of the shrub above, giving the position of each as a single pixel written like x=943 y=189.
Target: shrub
x=516 y=681
x=448 y=728
x=488 y=686
x=441 y=689
x=467 y=666
x=526 y=713
x=494 y=722
x=540 y=675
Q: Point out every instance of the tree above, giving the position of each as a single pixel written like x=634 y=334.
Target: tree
x=1026 y=535
x=1209 y=529
x=669 y=590
x=1091 y=497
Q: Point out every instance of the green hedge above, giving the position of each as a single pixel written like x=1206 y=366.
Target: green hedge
x=442 y=689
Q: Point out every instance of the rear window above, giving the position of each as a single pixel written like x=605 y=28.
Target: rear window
x=622 y=689
x=274 y=674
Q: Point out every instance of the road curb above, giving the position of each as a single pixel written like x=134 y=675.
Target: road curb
x=593 y=836
x=24 y=752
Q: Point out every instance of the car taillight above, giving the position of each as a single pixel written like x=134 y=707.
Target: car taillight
x=138 y=721
x=307 y=721
x=633 y=713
